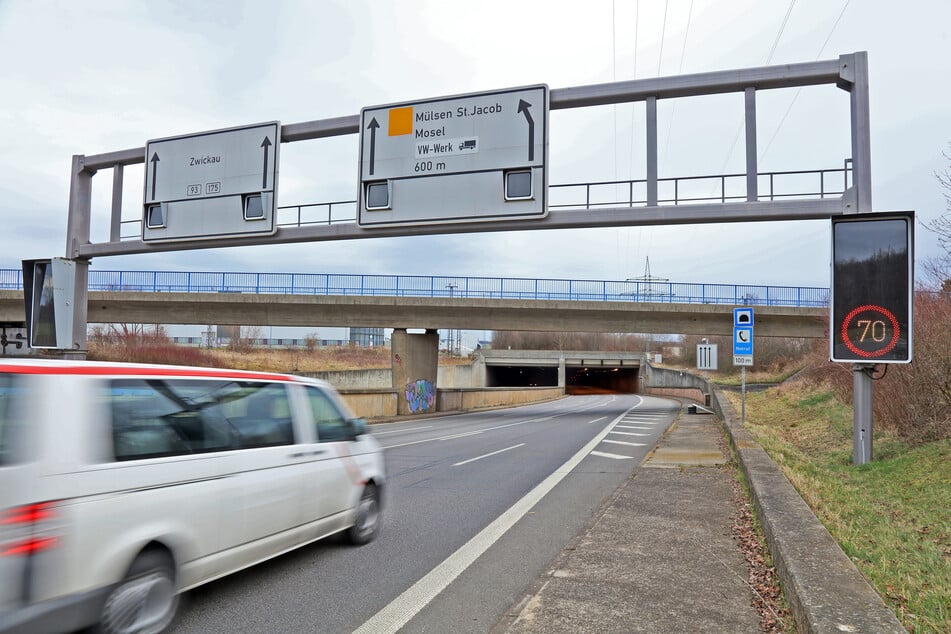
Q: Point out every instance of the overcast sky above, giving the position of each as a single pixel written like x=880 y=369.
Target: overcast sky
x=93 y=77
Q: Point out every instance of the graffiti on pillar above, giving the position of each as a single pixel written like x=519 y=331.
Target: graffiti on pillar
x=421 y=396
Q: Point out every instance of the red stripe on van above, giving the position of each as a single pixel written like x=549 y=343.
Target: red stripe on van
x=141 y=371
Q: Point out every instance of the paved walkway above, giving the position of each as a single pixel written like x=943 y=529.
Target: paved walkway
x=660 y=558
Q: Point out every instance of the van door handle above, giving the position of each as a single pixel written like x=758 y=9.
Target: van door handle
x=304 y=454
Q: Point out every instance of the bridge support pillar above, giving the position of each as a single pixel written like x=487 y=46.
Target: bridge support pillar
x=561 y=372
x=415 y=360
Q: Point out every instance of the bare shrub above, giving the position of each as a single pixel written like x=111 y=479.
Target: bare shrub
x=915 y=399
x=243 y=338
x=911 y=400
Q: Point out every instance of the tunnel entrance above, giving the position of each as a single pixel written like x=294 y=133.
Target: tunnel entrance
x=601 y=380
x=578 y=380
x=521 y=376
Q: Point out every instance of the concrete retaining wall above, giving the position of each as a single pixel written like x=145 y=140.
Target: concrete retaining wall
x=383 y=403
x=449 y=376
x=693 y=393
x=825 y=590
x=371 y=403
x=471 y=399
x=665 y=382
x=374 y=379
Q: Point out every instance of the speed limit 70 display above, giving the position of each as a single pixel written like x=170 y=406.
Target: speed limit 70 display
x=872 y=284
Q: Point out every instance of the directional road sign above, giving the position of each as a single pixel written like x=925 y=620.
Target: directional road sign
x=221 y=183
x=476 y=157
x=706 y=356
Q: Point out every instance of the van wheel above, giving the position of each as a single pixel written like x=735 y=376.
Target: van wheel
x=368 y=521
x=145 y=602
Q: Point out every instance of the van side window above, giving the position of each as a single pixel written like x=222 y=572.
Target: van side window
x=331 y=425
x=8 y=425
x=169 y=417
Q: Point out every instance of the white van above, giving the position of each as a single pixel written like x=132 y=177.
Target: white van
x=122 y=486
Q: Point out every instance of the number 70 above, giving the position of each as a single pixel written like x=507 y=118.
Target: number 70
x=877 y=327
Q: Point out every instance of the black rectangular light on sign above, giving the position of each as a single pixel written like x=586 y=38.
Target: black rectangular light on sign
x=872 y=288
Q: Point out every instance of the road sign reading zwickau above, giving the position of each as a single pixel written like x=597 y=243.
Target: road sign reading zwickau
x=475 y=157
x=215 y=184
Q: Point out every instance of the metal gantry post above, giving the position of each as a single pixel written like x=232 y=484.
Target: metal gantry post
x=77 y=235
x=651 y=103
x=752 y=180
x=854 y=71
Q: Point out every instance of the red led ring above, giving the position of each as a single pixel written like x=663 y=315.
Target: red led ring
x=864 y=353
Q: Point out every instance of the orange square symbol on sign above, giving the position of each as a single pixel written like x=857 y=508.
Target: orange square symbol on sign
x=401 y=121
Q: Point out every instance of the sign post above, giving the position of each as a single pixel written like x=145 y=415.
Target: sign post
x=743 y=349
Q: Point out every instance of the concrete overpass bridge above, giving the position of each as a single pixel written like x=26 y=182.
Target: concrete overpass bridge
x=436 y=302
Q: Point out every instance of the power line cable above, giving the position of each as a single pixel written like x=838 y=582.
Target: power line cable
x=663 y=32
x=799 y=90
x=680 y=70
x=769 y=58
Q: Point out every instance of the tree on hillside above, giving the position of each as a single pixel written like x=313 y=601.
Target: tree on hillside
x=940 y=267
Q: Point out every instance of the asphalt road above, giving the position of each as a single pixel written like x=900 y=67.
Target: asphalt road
x=476 y=506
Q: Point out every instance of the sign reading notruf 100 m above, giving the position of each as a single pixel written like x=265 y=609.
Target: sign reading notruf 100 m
x=475 y=157
x=872 y=286
x=221 y=183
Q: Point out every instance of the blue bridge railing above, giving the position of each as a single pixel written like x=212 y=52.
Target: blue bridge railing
x=444 y=286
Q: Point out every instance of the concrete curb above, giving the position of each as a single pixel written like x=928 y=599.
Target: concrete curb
x=825 y=590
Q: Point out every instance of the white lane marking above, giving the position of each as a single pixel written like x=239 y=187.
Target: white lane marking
x=629 y=433
x=613 y=456
x=494 y=453
x=596 y=420
x=399 y=431
x=523 y=422
x=634 y=427
x=399 y=611
x=623 y=442
x=462 y=435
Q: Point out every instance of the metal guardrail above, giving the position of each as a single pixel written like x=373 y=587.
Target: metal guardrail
x=444 y=286
x=676 y=190
x=685 y=190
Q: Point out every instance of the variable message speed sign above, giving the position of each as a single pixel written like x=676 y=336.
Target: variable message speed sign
x=214 y=184
x=872 y=284
x=453 y=159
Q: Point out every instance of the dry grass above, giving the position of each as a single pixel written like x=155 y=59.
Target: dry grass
x=285 y=360
x=891 y=516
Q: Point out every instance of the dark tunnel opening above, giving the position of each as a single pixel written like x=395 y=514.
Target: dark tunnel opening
x=601 y=380
x=521 y=376
x=588 y=380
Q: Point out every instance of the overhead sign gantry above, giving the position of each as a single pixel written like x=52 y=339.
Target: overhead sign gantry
x=466 y=158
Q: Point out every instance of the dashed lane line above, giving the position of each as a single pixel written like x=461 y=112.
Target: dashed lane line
x=613 y=456
x=494 y=453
